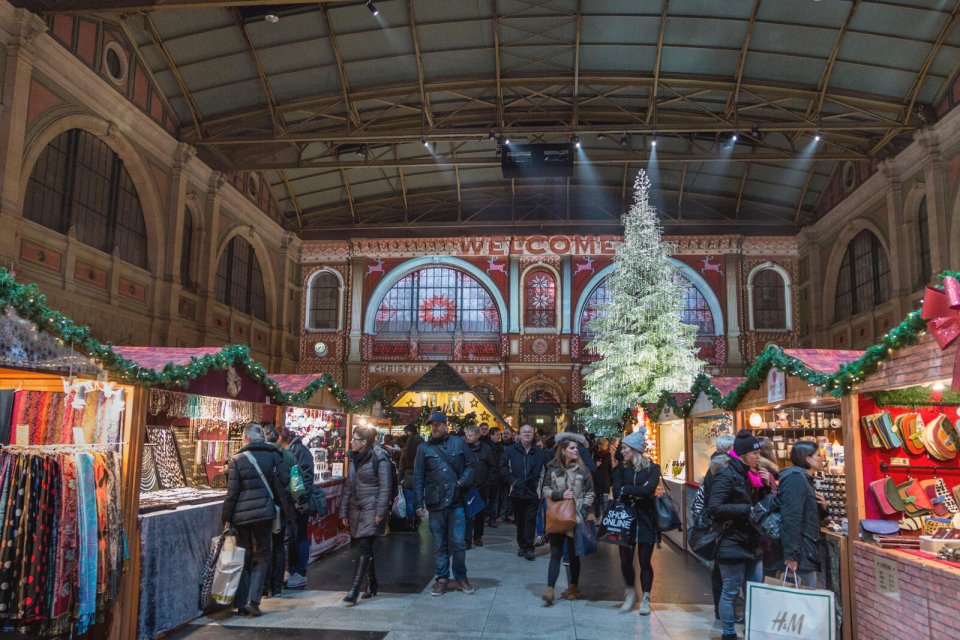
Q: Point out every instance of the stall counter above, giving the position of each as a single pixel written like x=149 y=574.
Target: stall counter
x=327 y=534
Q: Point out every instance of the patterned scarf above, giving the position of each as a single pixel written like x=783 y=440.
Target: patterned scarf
x=65 y=564
x=11 y=496
x=36 y=554
x=115 y=522
x=102 y=478
x=87 y=561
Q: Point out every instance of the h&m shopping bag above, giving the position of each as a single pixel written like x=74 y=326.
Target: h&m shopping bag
x=779 y=612
x=226 y=579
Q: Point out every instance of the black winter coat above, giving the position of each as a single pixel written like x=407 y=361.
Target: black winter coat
x=521 y=470
x=437 y=483
x=800 y=533
x=408 y=458
x=248 y=501
x=635 y=487
x=304 y=460
x=484 y=464
x=729 y=503
x=604 y=476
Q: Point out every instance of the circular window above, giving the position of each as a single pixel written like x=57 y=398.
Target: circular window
x=849 y=176
x=115 y=62
x=253 y=185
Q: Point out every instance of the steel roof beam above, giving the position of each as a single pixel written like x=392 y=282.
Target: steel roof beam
x=293 y=198
x=351 y=108
x=741 y=63
x=261 y=75
x=191 y=104
x=652 y=99
x=424 y=98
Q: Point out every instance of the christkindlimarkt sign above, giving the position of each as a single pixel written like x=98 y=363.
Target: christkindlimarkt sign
x=403 y=368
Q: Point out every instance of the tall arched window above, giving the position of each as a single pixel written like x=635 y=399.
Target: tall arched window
x=696 y=311
x=864 y=278
x=240 y=280
x=80 y=182
x=323 y=312
x=540 y=300
x=923 y=233
x=437 y=300
x=186 y=251
x=769 y=301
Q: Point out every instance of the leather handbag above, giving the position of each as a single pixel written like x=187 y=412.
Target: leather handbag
x=870 y=431
x=877 y=488
x=667 y=517
x=911 y=426
x=892 y=495
x=561 y=515
x=915 y=500
x=879 y=528
x=940 y=438
x=887 y=433
x=943 y=503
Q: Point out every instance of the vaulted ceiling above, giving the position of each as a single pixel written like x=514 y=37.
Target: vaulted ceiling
x=332 y=103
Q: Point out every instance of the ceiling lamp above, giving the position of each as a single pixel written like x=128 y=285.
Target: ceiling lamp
x=755 y=419
x=624 y=140
x=601 y=137
x=653 y=141
x=755 y=133
x=576 y=141
x=424 y=141
x=373 y=8
x=816 y=138
x=272 y=18
x=733 y=137
x=491 y=136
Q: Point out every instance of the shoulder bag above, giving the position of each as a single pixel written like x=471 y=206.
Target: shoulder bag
x=667 y=517
x=561 y=515
x=277 y=522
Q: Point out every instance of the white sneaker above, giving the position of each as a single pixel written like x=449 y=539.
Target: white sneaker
x=629 y=599
x=296 y=581
x=645 y=605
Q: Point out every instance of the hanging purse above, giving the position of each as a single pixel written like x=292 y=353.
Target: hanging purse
x=911 y=428
x=938 y=500
x=561 y=515
x=666 y=511
x=940 y=438
x=877 y=488
x=915 y=500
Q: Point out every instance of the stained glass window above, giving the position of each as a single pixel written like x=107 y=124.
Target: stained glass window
x=239 y=280
x=696 y=311
x=324 y=301
x=79 y=181
x=769 y=301
x=437 y=300
x=864 y=278
x=540 y=300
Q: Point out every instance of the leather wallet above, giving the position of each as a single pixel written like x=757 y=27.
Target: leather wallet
x=878 y=489
x=910 y=426
x=940 y=438
x=915 y=500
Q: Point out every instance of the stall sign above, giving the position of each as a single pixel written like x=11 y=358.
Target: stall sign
x=888 y=577
x=776 y=385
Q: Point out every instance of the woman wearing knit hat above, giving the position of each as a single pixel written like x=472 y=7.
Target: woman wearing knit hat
x=635 y=484
x=733 y=493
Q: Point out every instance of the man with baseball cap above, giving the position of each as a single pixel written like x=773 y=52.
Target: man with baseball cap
x=442 y=473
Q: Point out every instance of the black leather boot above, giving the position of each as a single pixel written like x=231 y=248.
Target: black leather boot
x=363 y=562
x=371 y=589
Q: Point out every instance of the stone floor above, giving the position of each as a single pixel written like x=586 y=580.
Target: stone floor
x=506 y=604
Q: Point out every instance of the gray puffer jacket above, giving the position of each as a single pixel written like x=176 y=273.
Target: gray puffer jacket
x=367 y=493
x=248 y=501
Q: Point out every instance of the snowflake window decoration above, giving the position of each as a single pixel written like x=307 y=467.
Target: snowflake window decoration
x=438 y=311
x=541 y=296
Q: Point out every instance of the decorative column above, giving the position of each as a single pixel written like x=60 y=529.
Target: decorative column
x=936 y=189
x=207 y=265
x=732 y=262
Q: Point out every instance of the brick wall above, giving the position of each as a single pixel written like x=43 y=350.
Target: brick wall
x=927 y=594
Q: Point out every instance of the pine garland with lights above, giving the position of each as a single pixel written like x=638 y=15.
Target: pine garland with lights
x=31 y=304
x=644 y=346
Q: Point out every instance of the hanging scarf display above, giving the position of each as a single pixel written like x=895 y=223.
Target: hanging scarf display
x=65 y=565
x=87 y=566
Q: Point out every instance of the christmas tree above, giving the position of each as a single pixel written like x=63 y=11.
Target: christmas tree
x=644 y=346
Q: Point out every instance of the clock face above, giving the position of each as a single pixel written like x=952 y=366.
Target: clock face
x=320 y=348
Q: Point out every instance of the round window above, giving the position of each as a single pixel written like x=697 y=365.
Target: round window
x=115 y=62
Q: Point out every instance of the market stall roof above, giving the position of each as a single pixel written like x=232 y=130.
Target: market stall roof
x=823 y=360
x=444 y=379
x=726 y=385
x=156 y=358
x=294 y=383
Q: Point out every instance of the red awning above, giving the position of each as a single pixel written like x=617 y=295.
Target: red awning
x=726 y=385
x=293 y=382
x=156 y=358
x=824 y=360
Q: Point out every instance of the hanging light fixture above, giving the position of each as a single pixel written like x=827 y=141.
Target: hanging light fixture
x=373 y=8
x=755 y=419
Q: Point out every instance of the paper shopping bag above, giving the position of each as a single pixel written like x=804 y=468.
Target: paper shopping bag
x=779 y=612
x=226 y=579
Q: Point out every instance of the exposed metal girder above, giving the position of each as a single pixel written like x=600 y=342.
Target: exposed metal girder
x=351 y=108
x=652 y=100
x=424 y=98
x=742 y=62
x=128 y=6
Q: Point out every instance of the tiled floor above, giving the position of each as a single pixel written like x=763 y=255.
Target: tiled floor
x=506 y=604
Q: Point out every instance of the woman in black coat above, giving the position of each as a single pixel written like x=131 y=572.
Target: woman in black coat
x=734 y=490
x=635 y=483
x=801 y=509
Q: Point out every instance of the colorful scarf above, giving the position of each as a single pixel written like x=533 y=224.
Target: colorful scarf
x=36 y=550
x=87 y=560
x=756 y=481
x=65 y=564
x=89 y=420
x=13 y=531
x=115 y=522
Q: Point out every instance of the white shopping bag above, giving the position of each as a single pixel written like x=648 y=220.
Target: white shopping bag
x=226 y=579
x=780 y=612
x=400 y=505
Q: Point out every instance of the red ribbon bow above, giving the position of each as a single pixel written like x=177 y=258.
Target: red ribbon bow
x=941 y=310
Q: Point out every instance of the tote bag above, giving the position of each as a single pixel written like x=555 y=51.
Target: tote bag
x=226 y=579
x=584 y=538
x=667 y=517
x=779 y=612
x=617 y=524
x=473 y=502
x=561 y=515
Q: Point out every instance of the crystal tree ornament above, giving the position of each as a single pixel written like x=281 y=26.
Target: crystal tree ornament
x=645 y=348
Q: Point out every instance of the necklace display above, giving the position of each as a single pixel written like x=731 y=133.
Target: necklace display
x=203 y=408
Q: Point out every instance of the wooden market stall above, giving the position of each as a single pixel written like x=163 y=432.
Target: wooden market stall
x=199 y=401
x=67 y=429
x=789 y=405
x=443 y=389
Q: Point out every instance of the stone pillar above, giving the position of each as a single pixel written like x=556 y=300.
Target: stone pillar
x=207 y=251
x=731 y=267
x=938 y=206
x=899 y=242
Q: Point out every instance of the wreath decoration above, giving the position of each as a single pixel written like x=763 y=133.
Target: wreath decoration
x=438 y=310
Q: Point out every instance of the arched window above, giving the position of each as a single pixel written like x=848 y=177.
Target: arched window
x=80 y=182
x=923 y=233
x=186 y=251
x=864 y=278
x=540 y=300
x=769 y=301
x=437 y=300
x=488 y=393
x=240 y=281
x=324 y=302
x=696 y=311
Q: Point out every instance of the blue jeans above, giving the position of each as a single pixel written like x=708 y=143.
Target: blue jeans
x=735 y=577
x=411 y=514
x=448 y=527
x=299 y=551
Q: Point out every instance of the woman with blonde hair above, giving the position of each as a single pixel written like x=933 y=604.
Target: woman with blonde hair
x=566 y=477
x=365 y=505
x=635 y=484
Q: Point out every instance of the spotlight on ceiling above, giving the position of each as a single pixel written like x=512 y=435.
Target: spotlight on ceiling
x=361 y=151
x=816 y=138
x=424 y=141
x=506 y=139
x=733 y=137
x=755 y=133
x=653 y=141
x=624 y=140
x=491 y=136
x=601 y=137
x=576 y=141
x=272 y=18
x=373 y=8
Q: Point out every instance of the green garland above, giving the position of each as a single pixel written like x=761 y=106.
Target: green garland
x=31 y=304
x=914 y=397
